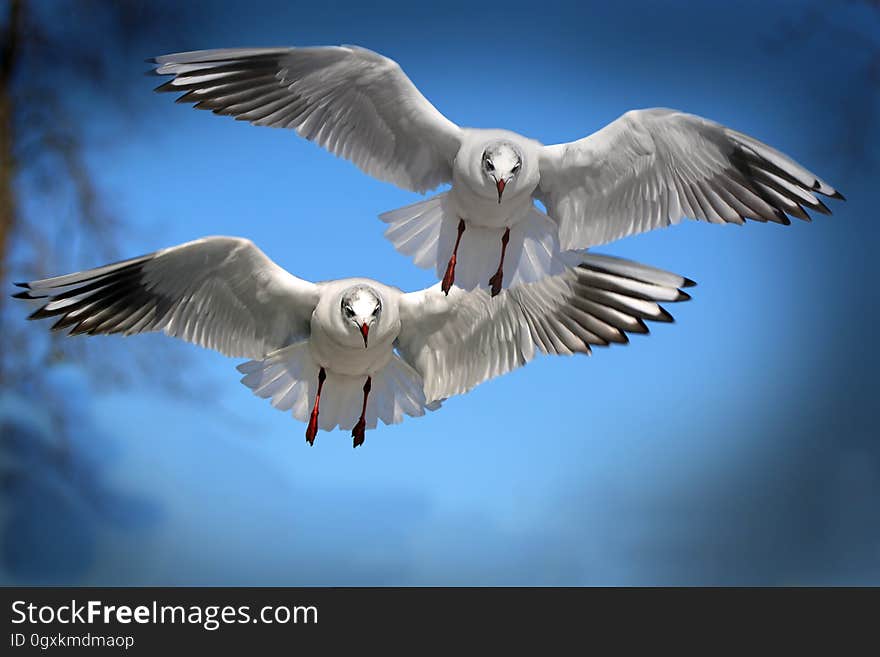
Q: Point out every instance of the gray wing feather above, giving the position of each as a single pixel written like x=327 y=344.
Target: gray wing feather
x=459 y=341
x=221 y=293
x=352 y=101
x=652 y=168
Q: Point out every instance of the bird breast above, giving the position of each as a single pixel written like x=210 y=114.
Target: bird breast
x=346 y=359
x=339 y=347
x=482 y=209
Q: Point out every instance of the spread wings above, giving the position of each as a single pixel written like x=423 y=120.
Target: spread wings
x=222 y=293
x=352 y=101
x=459 y=341
x=651 y=168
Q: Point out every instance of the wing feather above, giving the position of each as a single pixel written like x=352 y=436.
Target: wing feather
x=222 y=293
x=652 y=168
x=352 y=101
x=459 y=341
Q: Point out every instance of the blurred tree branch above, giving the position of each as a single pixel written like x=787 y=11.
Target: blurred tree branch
x=8 y=60
x=62 y=64
x=65 y=74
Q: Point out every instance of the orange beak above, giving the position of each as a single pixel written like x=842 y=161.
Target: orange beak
x=365 y=331
x=500 y=184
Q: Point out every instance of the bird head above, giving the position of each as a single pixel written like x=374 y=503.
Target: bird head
x=501 y=163
x=361 y=308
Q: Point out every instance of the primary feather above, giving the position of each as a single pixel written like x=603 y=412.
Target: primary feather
x=352 y=101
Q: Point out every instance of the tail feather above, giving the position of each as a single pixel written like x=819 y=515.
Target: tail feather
x=289 y=379
x=414 y=230
x=426 y=231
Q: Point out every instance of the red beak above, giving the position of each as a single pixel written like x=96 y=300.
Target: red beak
x=365 y=331
x=500 y=184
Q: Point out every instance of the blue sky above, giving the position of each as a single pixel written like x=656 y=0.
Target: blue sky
x=735 y=446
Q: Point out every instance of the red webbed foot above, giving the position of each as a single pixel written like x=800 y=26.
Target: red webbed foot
x=312 y=429
x=358 y=432
x=449 y=276
x=496 y=280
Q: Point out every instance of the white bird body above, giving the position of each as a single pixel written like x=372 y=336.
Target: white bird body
x=351 y=352
x=648 y=169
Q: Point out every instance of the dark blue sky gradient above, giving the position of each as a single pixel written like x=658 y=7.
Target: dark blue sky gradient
x=736 y=446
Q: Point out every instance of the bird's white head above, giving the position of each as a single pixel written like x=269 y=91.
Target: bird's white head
x=501 y=162
x=361 y=308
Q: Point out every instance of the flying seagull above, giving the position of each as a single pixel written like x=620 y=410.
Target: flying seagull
x=350 y=352
x=648 y=169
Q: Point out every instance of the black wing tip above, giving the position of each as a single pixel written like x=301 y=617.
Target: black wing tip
x=820 y=207
x=643 y=329
x=63 y=322
x=689 y=283
x=22 y=295
x=37 y=314
x=24 y=285
x=683 y=296
x=664 y=316
x=817 y=187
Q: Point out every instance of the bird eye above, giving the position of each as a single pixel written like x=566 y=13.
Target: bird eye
x=489 y=166
x=516 y=167
x=376 y=309
x=348 y=311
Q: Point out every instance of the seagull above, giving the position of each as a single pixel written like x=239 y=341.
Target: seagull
x=648 y=169
x=350 y=352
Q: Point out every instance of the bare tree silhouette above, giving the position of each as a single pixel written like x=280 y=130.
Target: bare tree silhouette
x=62 y=63
x=54 y=77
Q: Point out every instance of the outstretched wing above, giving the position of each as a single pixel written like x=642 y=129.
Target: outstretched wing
x=352 y=101
x=459 y=341
x=222 y=293
x=652 y=168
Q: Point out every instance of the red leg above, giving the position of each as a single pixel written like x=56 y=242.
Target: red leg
x=312 y=430
x=449 y=276
x=495 y=281
x=358 y=432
